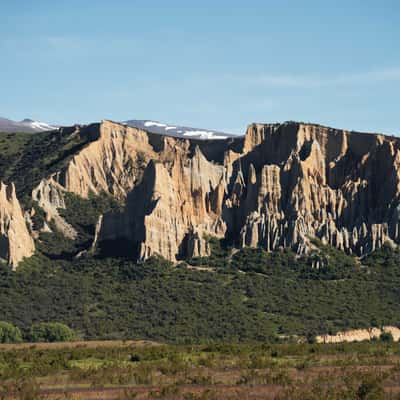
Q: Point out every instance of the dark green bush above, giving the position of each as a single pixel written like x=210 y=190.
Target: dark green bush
x=370 y=389
x=386 y=337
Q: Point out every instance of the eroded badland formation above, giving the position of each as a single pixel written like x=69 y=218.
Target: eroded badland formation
x=279 y=186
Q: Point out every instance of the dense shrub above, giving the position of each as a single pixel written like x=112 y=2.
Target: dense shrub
x=51 y=332
x=9 y=333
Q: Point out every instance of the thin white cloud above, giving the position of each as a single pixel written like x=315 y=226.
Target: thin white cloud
x=309 y=82
x=376 y=76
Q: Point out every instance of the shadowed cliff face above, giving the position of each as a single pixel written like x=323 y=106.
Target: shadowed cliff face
x=279 y=186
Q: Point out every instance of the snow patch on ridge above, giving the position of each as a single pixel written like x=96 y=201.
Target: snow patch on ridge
x=205 y=134
x=42 y=126
x=178 y=131
x=152 y=123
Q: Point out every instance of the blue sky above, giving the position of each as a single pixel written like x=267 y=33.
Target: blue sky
x=210 y=64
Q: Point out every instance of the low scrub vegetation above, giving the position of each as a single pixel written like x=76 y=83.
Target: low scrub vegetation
x=353 y=371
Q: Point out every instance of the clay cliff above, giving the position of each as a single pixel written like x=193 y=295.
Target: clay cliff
x=279 y=186
x=15 y=239
x=173 y=193
x=307 y=181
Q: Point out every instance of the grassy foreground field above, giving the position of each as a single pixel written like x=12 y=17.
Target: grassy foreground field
x=145 y=370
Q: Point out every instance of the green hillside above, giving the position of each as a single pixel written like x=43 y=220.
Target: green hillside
x=251 y=296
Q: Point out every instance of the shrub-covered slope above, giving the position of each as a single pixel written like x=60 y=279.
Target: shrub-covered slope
x=252 y=295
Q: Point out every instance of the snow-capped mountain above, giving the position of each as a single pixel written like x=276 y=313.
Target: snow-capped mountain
x=178 y=131
x=31 y=126
x=26 y=125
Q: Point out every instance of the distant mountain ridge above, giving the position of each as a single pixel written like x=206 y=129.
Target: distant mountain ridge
x=25 y=126
x=31 y=126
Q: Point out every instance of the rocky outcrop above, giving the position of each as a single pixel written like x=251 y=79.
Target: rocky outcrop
x=187 y=188
x=172 y=209
x=112 y=163
x=279 y=186
x=15 y=239
x=311 y=181
x=49 y=195
x=287 y=183
x=359 y=335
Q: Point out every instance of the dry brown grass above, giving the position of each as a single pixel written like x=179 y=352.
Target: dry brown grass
x=85 y=344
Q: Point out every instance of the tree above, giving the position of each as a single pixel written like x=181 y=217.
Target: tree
x=9 y=333
x=310 y=337
x=370 y=389
x=386 y=337
x=51 y=332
